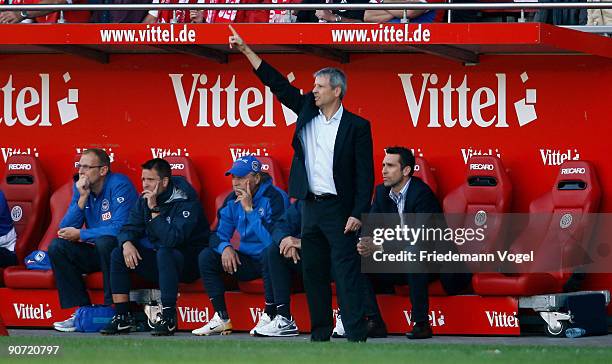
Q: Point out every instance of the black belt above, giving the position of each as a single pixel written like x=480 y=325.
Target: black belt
x=322 y=197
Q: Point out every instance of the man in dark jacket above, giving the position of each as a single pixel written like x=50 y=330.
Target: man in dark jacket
x=161 y=241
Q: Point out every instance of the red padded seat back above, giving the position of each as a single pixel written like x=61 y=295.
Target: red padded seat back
x=423 y=171
x=27 y=193
x=272 y=167
x=486 y=191
x=184 y=167
x=60 y=200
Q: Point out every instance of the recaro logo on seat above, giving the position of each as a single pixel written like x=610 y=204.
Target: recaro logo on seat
x=573 y=170
x=177 y=166
x=19 y=167
x=481 y=167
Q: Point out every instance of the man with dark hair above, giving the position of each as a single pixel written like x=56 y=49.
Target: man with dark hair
x=164 y=234
x=252 y=209
x=8 y=236
x=403 y=193
x=333 y=171
x=101 y=202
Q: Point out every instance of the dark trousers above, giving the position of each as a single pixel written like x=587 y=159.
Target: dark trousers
x=212 y=273
x=326 y=247
x=281 y=270
x=7 y=258
x=164 y=266
x=453 y=283
x=70 y=260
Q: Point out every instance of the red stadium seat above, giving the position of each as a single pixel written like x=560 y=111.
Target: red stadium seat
x=19 y=277
x=576 y=192
x=486 y=188
x=425 y=172
x=27 y=192
x=184 y=167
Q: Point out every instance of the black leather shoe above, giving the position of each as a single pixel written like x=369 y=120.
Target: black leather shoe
x=376 y=328
x=421 y=330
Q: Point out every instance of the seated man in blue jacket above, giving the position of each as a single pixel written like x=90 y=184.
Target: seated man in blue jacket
x=164 y=234
x=101 y=202
x=283 y=260
x=8 y=236
x=251 y=209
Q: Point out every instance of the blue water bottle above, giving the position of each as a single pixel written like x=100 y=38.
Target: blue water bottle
x=574 y=332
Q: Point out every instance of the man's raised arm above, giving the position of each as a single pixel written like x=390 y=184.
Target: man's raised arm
x=236 y=41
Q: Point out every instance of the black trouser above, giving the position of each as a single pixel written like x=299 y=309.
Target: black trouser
x=70 y=260
x=164 y=266
x=281 y=271
x=7 y=258
x=212 y=272
x=453 y=283
x=324 y=245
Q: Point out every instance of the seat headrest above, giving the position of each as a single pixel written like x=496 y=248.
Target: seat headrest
x=577 y=186
x=183 y=166
x=423 y=171
x=271 y=167
x=23 y=165
x=486 y=181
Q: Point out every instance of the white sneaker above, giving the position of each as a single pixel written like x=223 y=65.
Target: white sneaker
x=264 y=319
x=66 y=325
x=339 y=329
x=215 y=326
x=278 y=327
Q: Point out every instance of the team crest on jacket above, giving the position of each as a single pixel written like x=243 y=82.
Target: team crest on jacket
x=120 y=199
x=105 y=205
x=261 y=211
x=186 y=214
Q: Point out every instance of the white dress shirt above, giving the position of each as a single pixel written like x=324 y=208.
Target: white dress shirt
x=400 y=199
x=318 y=138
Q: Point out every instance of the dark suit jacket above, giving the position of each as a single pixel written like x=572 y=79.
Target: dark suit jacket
x=353 y=168
x=420 y=199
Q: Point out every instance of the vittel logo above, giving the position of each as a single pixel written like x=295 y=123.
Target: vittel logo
x=19 y=167
x=169 y=152
x=573 y=170
x=194 y=315
x=470 y=101
x=31 y=312
x=481 y=167
x=244 y=151
x=502 y=319
x=109 y=151
x=211 y=97
x=177 y=166
x=30 y=105
x=436 y=318
x=11 y=151
x=256 y=313
x=467 y=153
x=556 y=157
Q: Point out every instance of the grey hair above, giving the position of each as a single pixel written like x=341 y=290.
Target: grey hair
x=337 y=78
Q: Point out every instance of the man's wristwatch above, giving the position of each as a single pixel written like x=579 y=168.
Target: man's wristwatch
x=155 y=210
x=24 y=14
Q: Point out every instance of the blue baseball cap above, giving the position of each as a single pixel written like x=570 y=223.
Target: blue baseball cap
x=244 y=165
x=38 y=260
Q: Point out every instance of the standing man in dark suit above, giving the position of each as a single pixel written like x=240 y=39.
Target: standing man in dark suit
x=333 y=171
x=403 y=193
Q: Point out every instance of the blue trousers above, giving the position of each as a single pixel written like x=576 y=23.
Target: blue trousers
x=164 y=266
x=70 y=260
